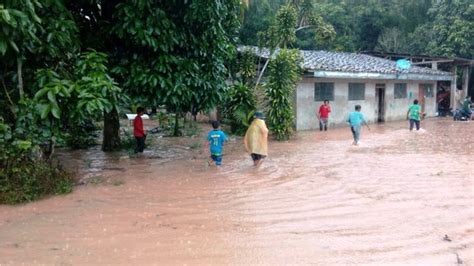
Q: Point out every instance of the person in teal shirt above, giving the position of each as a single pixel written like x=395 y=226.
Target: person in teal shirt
x=466 y=107
x=414 y=115
x=355 y=120
x=216 y=138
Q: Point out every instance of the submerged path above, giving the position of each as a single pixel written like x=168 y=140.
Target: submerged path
x=400 y=198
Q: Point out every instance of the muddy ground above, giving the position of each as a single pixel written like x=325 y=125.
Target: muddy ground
x=400 y=198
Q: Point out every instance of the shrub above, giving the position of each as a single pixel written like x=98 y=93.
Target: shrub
x=284 y=73
x=28 y=181
x=24 y=173
x=240 y=107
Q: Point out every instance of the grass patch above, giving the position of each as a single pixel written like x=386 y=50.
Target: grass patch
x=30 y=181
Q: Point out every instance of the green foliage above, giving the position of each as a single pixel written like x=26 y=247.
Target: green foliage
x=257 y=18
x=452 y=28
x=286 y=20
x=28 y=181
x=284 y=73
x=175 y=52
x=29 y=126
x=19 y=25
x=96 y=91
x=296 y=19
x=392 y=40
x=247 y=67
x=23 y=176
x=419 y=27
x=240 y=107
x=54 y=91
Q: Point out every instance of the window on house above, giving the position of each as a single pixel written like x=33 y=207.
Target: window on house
x=400 y=90
x=429 y=93
x=323 y=91
x=356 y=91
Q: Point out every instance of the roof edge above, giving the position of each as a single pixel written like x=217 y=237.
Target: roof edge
x=368 y=75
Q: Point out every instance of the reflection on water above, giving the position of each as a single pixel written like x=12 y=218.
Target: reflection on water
x=316 y=199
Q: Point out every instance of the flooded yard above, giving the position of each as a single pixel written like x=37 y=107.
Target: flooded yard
x=399 y=198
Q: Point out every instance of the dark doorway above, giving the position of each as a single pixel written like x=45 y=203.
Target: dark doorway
x=380 y=98
x=443 y=98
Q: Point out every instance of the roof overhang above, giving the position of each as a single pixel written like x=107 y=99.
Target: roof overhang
x=401 y=76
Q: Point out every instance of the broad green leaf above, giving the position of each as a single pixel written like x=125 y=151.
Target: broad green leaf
x=13 y=45
x=45 y=111
x=56 y=111
x=52 y=97
x=3 y=47
x=23 y=144
x=41 y=92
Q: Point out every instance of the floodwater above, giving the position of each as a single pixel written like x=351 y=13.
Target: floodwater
x=399 y=198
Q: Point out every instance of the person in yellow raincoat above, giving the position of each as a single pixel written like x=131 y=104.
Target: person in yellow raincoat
x=255 y=139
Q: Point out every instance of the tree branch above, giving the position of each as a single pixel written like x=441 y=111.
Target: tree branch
x=266 y=64
x=305 y=27
x=20 y=77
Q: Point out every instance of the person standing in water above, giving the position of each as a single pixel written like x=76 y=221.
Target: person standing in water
x=414 y=114
x=355 y=120
x=138 y=130
x=216 y=139
x=256 y=139
x=466 y=107
x=323 y=115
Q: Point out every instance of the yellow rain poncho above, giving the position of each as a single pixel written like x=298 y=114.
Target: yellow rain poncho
x=255 y=139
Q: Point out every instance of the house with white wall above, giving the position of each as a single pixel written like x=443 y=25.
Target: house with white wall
x=347 y=79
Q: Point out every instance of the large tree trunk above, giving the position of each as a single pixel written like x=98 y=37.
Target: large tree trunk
x=111 y=140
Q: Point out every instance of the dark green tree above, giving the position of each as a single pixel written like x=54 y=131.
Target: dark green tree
x=453 y=28
x=173 y=53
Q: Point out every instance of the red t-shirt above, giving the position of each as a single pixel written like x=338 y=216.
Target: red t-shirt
x=324 y=111
x=138 y=127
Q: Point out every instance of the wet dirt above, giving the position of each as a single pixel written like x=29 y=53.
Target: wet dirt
x=399 y=198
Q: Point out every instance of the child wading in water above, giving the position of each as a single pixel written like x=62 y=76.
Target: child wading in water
x=216 y=138
x=138 y=131
x=355 y=120
x=414 y=114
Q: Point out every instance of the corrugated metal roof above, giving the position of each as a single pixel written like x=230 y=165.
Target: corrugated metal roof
x=348 y=62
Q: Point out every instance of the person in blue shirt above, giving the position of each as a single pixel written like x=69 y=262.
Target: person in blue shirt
x=355 y=120
x=216 y=140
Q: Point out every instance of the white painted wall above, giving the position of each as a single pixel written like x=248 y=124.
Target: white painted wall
x=395 y=109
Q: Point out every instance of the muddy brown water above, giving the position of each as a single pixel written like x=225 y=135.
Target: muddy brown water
x=316 y=200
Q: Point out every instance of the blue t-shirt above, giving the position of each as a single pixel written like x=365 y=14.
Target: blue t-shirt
x=355 y=118
x=216 y=139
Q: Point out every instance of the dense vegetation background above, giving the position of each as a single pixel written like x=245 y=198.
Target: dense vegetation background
x=431 y=27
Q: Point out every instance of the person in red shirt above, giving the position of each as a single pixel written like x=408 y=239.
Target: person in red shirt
x=138 y=130
x=323 y=115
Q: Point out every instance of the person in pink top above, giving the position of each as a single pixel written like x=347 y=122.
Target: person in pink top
x=323 y=115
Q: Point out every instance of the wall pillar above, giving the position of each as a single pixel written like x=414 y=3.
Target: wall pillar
x=454 y=95
x=465 y=84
